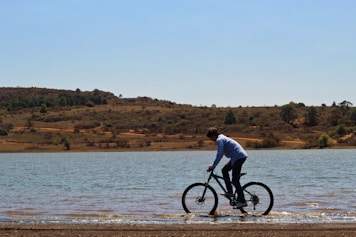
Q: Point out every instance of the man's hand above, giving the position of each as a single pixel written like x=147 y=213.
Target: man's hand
x=210 y=168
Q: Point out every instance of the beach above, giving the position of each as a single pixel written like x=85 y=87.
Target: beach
x=194 y=230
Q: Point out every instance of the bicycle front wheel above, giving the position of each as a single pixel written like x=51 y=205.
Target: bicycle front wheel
x=259 y=198
x=200 y=198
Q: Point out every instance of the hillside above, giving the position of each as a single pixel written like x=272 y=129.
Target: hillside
x=40 y=119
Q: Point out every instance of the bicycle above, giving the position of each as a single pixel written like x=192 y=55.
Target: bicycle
x=201 y=198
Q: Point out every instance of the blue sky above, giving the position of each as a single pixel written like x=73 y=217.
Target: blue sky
x=199 y=52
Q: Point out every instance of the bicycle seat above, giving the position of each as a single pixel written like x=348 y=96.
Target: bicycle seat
x=242 y=174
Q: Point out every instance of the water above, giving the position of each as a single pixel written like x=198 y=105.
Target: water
x=146 y=187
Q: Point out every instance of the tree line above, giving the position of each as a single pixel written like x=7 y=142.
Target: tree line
x=18 y=101
x=331 y=123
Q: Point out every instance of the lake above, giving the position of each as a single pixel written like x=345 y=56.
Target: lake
x=146 y=187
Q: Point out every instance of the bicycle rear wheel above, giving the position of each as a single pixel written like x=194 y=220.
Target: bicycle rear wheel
x=259 y=198
x=199 y=198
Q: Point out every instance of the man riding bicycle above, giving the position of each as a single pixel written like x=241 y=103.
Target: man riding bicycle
x=233 y=150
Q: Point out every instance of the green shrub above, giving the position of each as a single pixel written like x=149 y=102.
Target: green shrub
x=324 y=140
x=3 y=132
x=341 y=130
x=230 y=117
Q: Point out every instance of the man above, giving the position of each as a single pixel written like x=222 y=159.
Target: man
x=233 y=150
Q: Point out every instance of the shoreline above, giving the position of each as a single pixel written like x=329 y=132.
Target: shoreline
x=78 y=150
x=194 y=230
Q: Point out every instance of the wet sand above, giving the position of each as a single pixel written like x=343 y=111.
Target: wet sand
x=140 y=230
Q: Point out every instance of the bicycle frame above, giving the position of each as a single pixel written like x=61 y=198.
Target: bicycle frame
x=217 y=179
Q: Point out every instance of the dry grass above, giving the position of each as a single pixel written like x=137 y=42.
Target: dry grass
x=147 y=124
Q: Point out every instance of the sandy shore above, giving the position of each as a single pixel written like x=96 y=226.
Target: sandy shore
x=236 y=229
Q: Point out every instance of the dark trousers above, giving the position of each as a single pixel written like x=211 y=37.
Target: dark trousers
x=236 y=170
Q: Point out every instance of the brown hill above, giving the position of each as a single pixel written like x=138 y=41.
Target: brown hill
x=40 y=119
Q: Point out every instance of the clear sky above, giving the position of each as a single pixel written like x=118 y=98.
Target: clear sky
x=199 y=52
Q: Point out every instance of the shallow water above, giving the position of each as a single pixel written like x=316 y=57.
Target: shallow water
x=146 y=187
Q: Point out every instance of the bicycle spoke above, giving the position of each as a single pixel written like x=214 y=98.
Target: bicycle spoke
x=259 y=199
x=194 y=202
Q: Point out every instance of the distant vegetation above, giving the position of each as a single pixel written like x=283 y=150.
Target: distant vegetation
x=40 y=119
x=21 y=98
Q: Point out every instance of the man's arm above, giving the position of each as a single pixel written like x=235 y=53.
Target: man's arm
x=219 y=153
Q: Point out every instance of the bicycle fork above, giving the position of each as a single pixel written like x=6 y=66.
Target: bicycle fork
x=202 y=198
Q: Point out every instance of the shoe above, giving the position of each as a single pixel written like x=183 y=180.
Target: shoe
x=240 y=205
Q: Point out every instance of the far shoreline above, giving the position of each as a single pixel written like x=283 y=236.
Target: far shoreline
x=79 y=150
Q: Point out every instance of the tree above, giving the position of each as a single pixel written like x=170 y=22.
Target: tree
x=335 y=116
x=62 y=101
x=345 y=105
x=65 y=143
x=311 y=116
x=341 y=130
x=43 y=109
x=230 y=117
x=352 y=115
x=3 y=132
x=324 y=140
x=288 y=113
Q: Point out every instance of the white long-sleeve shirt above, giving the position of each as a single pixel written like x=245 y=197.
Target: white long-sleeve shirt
x=230 y=148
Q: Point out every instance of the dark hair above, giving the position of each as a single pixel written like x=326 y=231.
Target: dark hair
x=212 y=132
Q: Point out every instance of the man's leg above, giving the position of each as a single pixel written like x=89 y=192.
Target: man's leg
x=225 y=172
x=236 y=174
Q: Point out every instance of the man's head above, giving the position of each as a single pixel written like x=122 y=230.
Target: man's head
x=212 y=133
